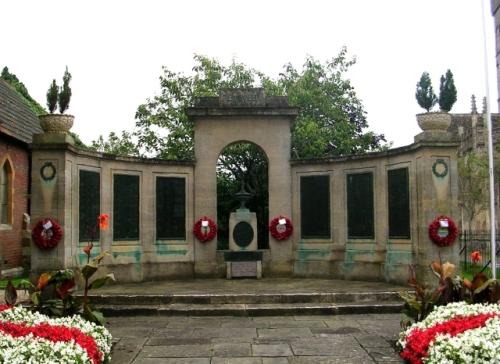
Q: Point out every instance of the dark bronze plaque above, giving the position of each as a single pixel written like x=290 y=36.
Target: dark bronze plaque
x=89 y=205
x=315 y=207
x=399 y=203
x=243 y=234
x=125 y=207
x=170 y=208
x=360 y=206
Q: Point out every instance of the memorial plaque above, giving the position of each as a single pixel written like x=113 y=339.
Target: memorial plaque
x=244 y=269
x=399 y=203
x=360 y=206
x=243 y=234
x=315 y=207
x=170 y=208
x=125 y=207
x=89 y=206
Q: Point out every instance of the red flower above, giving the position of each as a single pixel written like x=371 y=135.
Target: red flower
x=43 y=280
x=88 y=248
x=55 y=334
x=419 y=340
x=63 y=289
x=103 y=221
x=476 y=256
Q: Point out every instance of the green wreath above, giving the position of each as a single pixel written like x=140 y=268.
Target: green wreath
x=435 y=171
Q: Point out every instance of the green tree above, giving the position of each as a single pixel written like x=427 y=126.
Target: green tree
x=473 y=184
x=425 y=95
x=115 y=144
x=447 y=92
x=12 y=80
x=331 y=122
x=52 y=94
x=65 y=92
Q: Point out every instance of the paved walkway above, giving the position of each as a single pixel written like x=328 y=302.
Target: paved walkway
x=255 y=340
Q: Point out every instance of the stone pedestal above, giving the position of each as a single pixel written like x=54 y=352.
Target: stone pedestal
x=243 y=230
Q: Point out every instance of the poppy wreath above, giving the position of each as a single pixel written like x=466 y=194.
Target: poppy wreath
x=47 y=233
x=278 y=231
x=205 y=233
x=434 y=231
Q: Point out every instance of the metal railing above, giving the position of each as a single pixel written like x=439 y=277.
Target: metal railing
x=480 y=241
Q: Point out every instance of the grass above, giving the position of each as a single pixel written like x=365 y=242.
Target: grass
x=470 y=271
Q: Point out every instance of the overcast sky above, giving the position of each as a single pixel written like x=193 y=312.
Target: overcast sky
x=115 y=49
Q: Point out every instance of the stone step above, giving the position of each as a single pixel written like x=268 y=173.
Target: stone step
x=243 y=298
x=276 y=309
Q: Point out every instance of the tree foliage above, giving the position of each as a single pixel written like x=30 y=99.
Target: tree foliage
x=65 y=93
x=425 y=95
x=21 y=89
x=331 y=122
x=473 y=184
x=447 y=92
x=52 y=95
x=115 y=144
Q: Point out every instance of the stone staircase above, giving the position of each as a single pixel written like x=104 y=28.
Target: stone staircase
x=247 y=304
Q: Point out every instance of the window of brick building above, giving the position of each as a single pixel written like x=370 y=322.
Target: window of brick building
x=6 y=194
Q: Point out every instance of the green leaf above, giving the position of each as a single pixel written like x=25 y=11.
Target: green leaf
x=89 y=270
x=99 y=282
x=484 y=285
x=35 y=298
x=98 y=317
x=97 y=260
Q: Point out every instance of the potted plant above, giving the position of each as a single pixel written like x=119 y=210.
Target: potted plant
x=426 y=98
x=58 y=123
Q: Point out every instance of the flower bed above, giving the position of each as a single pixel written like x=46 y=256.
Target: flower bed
x=27 y=336
x=455 y=333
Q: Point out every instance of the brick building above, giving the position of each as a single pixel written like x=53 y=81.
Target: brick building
x=17 y=126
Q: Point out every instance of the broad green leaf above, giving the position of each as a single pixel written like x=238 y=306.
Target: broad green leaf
x=99 y=282
x=10 y=294
x=89 y=270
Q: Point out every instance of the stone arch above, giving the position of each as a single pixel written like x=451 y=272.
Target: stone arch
x=234 y=116
x=253 y=186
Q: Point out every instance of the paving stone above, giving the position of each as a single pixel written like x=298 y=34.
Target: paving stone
x=249 y=360
x=227 y=350
x=285 y=332
x=208 y=332
x=274 y=360
x=312 y=317
x=166 y=341
x=330 y=360
x=321 y=332
x=339 y=345
x=372 y=341
x=271 y=350
x=126 y=350
x=383 y=355
x=176 y=351
x=289 y=323
x=173 y=333
x=141 y=360
x=129 y=332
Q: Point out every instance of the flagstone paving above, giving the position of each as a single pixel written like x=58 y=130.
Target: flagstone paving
x=329 y=339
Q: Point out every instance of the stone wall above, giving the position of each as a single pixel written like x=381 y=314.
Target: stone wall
x=11 y=236
x=143 y=259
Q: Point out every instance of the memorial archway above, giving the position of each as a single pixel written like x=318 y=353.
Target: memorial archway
x=234 y=116
x=242 y=165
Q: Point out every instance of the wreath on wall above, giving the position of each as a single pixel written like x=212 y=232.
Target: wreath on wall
x=281 y=228
x=443 y=231
x=47 y=233
x=205 y=229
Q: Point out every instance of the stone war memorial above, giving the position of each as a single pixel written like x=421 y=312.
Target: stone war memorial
x=360 y=217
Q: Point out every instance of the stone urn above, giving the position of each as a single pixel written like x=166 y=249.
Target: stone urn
x=56 y=123
x=434 y=121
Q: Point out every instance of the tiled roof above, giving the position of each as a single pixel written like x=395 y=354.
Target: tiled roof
x=16 y=118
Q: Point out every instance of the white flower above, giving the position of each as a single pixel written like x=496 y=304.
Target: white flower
x=29 y=349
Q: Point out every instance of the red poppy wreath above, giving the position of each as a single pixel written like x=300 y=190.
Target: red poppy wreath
x=443 y=231
x=47 y=233
x=205 y=229
x=281 y=228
